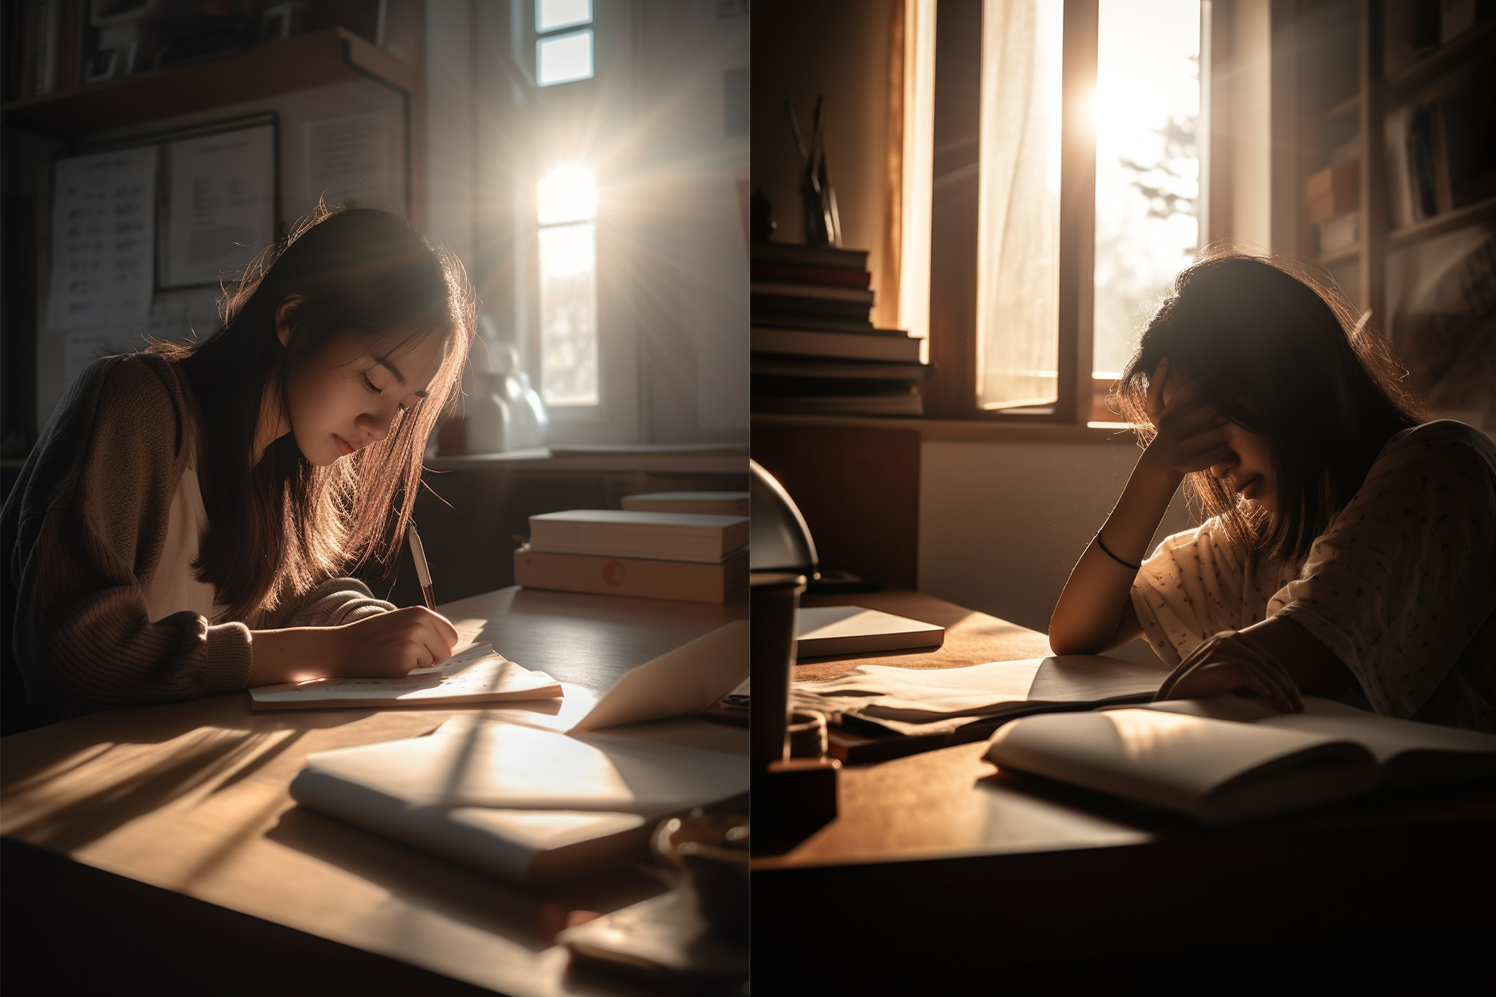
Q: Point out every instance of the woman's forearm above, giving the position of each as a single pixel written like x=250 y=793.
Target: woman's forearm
x=291 y=655
x=1092 y=614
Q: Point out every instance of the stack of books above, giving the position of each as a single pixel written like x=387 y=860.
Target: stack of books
x=695 y=557
x=815 y=351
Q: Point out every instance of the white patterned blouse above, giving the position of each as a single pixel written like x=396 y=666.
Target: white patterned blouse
x=1401 y=586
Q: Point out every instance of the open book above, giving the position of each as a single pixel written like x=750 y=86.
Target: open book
x=1232 y=759
x=478 y=675
x=545 y=795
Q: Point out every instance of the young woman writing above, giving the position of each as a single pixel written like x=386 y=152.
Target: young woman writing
x=1351 y=547
x=182 y=525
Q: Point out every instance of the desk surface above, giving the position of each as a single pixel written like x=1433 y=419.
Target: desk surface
x=942 y=853
x=192 y=797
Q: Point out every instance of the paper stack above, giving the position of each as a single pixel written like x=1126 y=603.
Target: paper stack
x=694 y=557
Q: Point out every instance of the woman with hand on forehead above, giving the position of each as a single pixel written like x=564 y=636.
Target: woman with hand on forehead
x=185 y=520
x=1350 y=549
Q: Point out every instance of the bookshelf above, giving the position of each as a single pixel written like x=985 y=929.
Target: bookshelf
x=1349 y=91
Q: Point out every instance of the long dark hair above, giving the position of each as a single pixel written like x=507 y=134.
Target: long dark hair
x=281 y=524
x=1283 y=355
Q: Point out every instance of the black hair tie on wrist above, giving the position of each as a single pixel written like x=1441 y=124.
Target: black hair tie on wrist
x=1114 y=557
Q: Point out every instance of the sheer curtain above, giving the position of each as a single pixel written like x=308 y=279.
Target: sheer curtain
x=1018 y=260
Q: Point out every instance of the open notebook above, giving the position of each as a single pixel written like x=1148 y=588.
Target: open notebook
x=540 y=796
x=478 y=675
x=1230 y=759
x=883 y=711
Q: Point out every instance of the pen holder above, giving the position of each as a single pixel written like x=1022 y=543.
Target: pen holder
x=709 y=856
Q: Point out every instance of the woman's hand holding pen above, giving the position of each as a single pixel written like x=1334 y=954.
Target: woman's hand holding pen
x=386 y=645
x=391 y=644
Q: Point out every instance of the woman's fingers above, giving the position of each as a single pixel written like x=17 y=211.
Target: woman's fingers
x=1231 y=661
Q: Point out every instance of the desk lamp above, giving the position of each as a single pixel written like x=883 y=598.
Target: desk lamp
x=792 y=797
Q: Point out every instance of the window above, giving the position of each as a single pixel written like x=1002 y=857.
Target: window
x=566 y=57
x=1065 y=197
x=568 y=287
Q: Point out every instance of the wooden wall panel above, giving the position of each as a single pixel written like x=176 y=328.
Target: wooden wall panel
x=858 y=490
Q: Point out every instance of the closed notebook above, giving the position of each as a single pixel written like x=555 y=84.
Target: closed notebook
x=1225 y=760
x=669 y=536
x=537 y=796
x=641 y=578
x=823 y=630
x=475 y=676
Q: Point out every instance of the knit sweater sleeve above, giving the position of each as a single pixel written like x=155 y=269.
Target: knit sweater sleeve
x=89 y=539
x=331 y=604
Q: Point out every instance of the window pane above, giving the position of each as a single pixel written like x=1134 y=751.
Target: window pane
x=553 y=14
x=564 y=58
x=1147 y=164
x=1018 y=251
x=568 y=315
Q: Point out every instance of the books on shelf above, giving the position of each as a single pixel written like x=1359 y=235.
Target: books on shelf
x=668 y=536
x=707 y=503
x=1440 y=156
x=639 y=578
x=1227 y=760
x=1339 y=233
x=1332 y=191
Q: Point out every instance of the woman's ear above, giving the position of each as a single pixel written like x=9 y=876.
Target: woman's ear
x=286 y=314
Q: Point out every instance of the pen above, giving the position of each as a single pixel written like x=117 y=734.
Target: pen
x=423 y=570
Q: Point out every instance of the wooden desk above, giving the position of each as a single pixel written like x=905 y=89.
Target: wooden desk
x=175 y=823
x=941 y=867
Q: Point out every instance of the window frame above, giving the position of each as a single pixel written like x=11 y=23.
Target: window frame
x=951 y=391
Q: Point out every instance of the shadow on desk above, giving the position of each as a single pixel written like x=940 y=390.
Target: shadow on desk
x=71 y=929
x=235 y=746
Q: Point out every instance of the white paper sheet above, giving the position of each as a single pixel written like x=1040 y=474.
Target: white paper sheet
x=938 y=700
x=474 y=674
x=103 y=231
x=222 y=204
x=348 y=161
x=168 y=320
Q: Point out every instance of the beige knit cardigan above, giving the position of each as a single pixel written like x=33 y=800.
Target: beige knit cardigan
x=83 y=531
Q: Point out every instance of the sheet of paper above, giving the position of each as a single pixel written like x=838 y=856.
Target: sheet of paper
x=938 y=700
x=348 y=161
x=103 y=231
x=168 y=320
x=475 y=672
x=222 y=204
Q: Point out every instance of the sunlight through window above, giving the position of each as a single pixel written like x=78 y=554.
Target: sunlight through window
x=1148 y=191
x=567 y=207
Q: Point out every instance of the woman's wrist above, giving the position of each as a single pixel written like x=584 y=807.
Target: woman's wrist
x=291 y=655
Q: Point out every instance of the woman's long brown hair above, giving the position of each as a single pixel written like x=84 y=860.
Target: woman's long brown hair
x=1284 y=355
x=280 y=525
